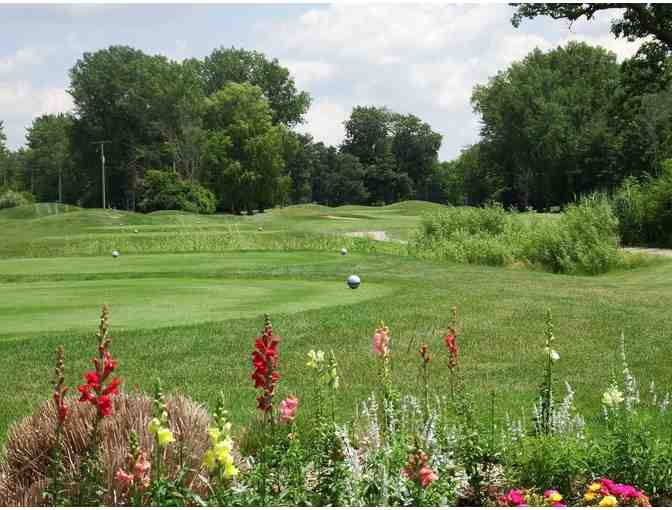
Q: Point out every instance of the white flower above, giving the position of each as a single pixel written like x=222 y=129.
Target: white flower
x=612 y=397
x=554 y=355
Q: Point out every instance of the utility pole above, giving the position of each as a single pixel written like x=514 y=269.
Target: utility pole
x=60 y=186
x=101 y=144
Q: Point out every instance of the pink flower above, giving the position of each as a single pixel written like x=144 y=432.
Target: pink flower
x=141 y=470
x=123 y=477
x=381 y=341
x=427 y=476
x=288 y=408
x=513 y=498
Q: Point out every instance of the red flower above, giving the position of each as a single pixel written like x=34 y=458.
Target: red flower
x=92 y=379
x=104 y=405
x=451 y=342
x=113 y=387
x=87 y=394
x=264 y=361
x=61 y=408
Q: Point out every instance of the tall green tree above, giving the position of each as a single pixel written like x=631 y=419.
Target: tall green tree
x=244 y=158
x=546 y=127
x=233 y=65
x=135 y=102
x=48 y=157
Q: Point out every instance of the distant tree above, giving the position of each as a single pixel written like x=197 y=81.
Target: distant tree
x=546 y=129
x=366 y=133
x=415 y=147
x=140 y=104
x=48 y=157
x=300 y=158
x=338 y=178
x=397 y=152
x=446 y=183
x=232 y=65
x=244 y=162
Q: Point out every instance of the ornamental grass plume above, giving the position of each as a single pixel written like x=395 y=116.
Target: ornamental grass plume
x=24 y=467
x=265 y=362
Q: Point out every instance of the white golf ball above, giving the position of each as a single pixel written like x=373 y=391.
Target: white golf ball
x=344 y=251
x=115 y=253
x=354 y=281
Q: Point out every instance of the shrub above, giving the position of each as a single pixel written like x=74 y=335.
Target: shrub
x=582 y=240
x=9 y=198
x=644 y=209
x=161 y=190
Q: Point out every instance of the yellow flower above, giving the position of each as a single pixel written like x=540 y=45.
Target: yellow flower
x=230 y=470
x=214 y=434
x=165 y=436
x=224 y=457
x=609 y=501
x=154 y=426
x=209 y=460
x=594 y=487
x=589 y=496
x=555 y=497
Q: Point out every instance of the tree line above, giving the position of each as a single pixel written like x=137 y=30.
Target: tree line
x=222 y=125
x=220 y=131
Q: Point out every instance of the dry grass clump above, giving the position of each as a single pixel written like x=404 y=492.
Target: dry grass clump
x=24 y=464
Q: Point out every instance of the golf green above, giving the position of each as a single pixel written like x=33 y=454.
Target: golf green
x=139 y=303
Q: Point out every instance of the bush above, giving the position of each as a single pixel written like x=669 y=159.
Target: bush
x=9 y=198
x=583 y=240
x=644 y=209
x=162 y=190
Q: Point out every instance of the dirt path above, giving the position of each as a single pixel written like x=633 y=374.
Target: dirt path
x=650 y=251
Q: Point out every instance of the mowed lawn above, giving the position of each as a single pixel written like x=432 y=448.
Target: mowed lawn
x=191 y=320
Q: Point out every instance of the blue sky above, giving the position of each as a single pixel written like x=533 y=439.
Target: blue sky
x=420 y=59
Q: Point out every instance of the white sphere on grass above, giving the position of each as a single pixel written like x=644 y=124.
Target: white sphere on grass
x=344 y=251
x=354 y=281
x=115 y=253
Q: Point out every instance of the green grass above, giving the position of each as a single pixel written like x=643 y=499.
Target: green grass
x=191 y=318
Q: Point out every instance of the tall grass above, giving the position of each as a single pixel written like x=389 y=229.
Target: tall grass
x=644 y=209
x=583 y=240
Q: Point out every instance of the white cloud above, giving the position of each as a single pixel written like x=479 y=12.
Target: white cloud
x=422 y=59
x=324 y=121
x=307 y=72
x=22 y=59
x=21 y=102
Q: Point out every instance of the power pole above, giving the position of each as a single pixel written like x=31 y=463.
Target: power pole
x=60 y=186
x=101 y=145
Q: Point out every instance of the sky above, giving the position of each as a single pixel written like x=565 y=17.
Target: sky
x=412 y=58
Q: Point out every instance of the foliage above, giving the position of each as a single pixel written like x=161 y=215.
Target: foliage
x=164 y=190
x=584 y=240
x=644 y=209
x=536 y=136
x=9 y=198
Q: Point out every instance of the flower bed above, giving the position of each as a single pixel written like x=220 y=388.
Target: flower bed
x=109 y=447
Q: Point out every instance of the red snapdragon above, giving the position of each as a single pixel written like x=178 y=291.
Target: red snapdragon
x=265 y=361
x=417 y=470
x=453 y=350
x=94 y=390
